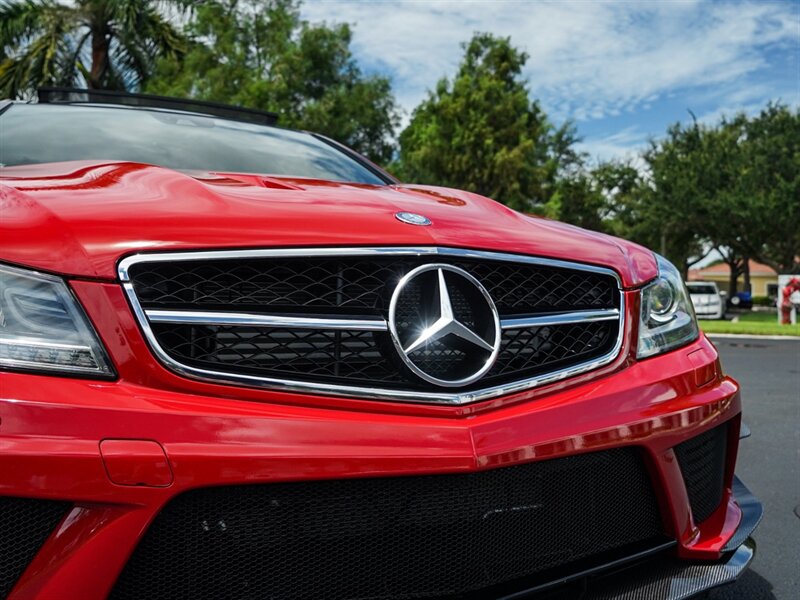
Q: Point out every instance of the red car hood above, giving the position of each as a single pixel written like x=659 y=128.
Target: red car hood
x=80 y=218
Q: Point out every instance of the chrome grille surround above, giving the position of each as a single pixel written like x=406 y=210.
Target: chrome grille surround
x=147 y=317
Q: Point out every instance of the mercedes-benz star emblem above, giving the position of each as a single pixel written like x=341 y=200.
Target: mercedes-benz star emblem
x=412 y=218
x=444 y=325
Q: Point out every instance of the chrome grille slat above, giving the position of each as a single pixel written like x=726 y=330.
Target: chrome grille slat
x=579 y=316
x=354 y=324
x=320 y=324
x=246 y=319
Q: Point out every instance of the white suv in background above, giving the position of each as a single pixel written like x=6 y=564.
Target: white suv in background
x=706 y=299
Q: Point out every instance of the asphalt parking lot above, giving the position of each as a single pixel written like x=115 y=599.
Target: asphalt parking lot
x=769 y=462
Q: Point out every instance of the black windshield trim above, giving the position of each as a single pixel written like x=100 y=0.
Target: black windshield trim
x=59 y=95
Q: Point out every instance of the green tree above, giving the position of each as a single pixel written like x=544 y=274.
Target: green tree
x=578 y=199
x=672 y=211
x=260 y=54
x=481 y=132
x=765 y=197
x=103 y=44
x=666 y=204
x=737 y=185
x=722 y=211
x=732 y=186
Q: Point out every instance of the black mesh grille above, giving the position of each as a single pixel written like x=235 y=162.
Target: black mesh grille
x=702 y=462
x=367 y=357
x=361 y=287
x=25 y=524
x=393 y=538
x=278 y=352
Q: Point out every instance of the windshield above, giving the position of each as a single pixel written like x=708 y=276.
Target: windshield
x=695 y=288
x=42 y=133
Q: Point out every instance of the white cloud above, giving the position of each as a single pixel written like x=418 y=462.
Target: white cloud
x=748 y=100
x=625 y=145
x=588 y=60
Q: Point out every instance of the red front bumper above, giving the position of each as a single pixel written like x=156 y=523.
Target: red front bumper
x=51 y=430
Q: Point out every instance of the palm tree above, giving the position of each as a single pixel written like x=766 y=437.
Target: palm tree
x=102 y=44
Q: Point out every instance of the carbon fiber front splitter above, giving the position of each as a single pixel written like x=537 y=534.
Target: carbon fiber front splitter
x=660 y=576
x=674 y=579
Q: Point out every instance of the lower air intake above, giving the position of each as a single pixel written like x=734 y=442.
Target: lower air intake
x=702 y=460
x=25 y=524
x=393 y=538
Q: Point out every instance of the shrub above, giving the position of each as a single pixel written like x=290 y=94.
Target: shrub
x=763 y=301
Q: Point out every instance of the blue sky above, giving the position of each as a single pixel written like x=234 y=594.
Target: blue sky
x=622 y=71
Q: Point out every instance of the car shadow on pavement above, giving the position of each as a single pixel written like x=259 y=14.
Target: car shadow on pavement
x=751 y=586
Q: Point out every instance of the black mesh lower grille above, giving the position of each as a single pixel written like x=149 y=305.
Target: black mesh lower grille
x=393 y=538
x=25 y=524
x=702 y=461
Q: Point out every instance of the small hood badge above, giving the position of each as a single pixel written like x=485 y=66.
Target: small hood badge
x=412 y=218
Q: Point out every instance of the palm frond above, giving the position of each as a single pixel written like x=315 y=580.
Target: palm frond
x=46 y=42
x=36 y=39
x=130 y=63
x=131 y=15
x=43 y=61
x=138 y=46
x=24 y=19
x=161 y=35
x=73 y=61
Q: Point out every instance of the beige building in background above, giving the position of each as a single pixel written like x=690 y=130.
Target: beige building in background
x=763 y=280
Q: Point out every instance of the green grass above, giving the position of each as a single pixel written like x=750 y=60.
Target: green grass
x=751 y=323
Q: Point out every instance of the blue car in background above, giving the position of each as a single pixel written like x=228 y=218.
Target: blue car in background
x=741 y=300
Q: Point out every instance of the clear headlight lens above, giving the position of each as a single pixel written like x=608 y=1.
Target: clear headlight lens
x=667 y=319
x=42 y=327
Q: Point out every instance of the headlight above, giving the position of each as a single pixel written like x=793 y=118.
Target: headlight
x=667 y=318
x=43 y=328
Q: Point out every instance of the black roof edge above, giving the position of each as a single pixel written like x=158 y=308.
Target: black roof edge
x=63 y=95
